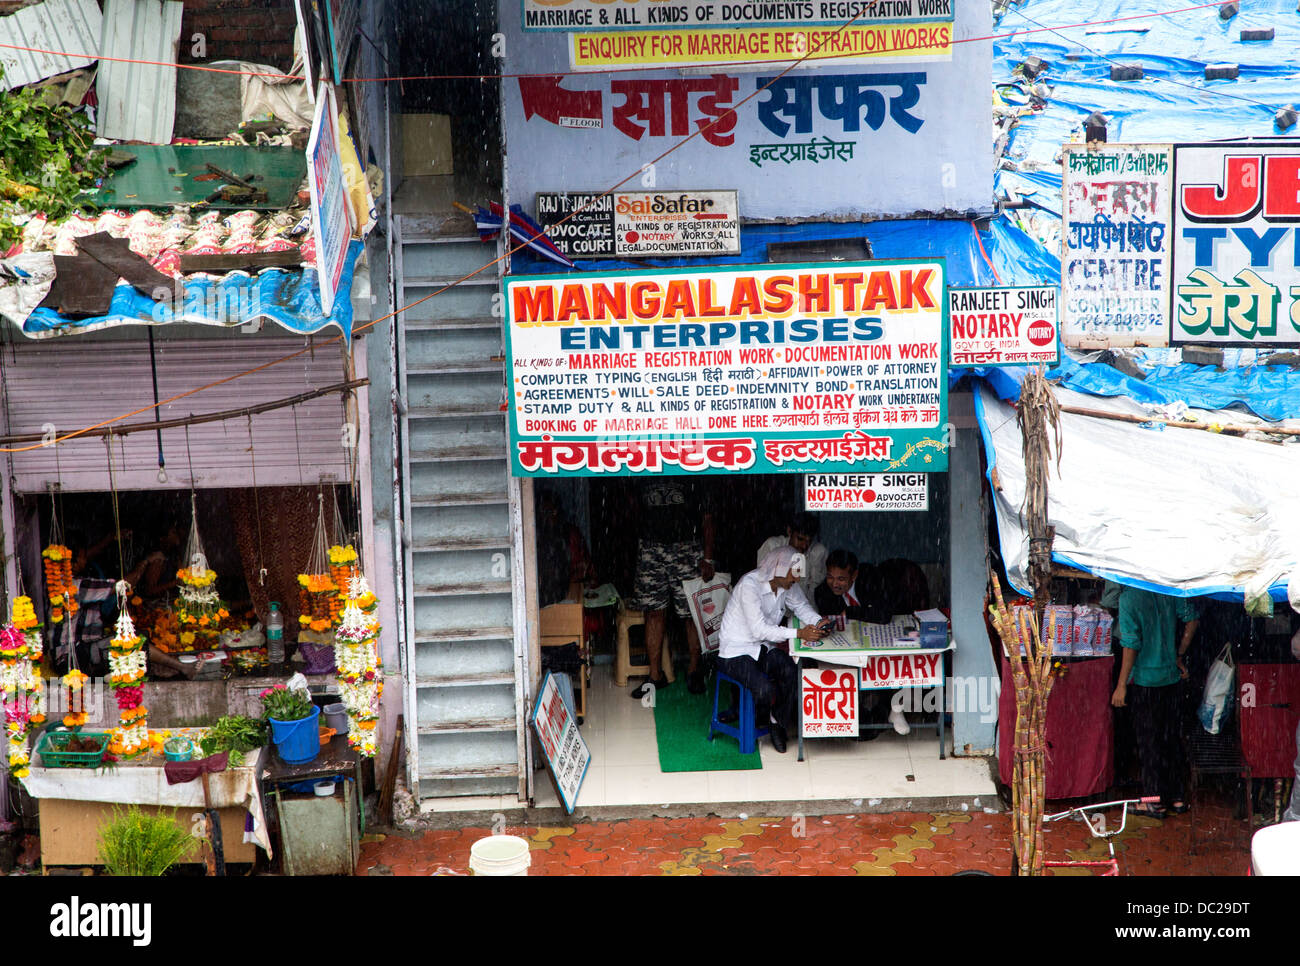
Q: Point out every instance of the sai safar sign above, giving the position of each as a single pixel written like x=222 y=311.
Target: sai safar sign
x=1236 y=250
x=835 y=367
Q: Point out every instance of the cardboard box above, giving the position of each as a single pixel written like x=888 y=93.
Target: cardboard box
x=426 y=145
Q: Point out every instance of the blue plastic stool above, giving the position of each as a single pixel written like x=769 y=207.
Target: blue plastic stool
x=744 y=730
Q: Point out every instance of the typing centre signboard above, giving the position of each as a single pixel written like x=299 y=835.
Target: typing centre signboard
x=820 y=368
x=798 y=144
x=1116 y=244
x=1236 y=249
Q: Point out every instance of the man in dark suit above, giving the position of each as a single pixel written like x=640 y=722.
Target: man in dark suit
x=838 y=593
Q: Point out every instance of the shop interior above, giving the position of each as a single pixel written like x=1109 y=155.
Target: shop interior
x=242 y=531
x=634 y=747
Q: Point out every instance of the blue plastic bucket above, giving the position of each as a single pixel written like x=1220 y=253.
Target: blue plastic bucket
x=298 y=742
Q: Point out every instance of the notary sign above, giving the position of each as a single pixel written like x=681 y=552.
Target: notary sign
x=830 y=702
x=1002 y=326
x=1236 y=259
x=565 y=750
x=641 y=224
x=835 y=367
x=902 y=671
x=866 y=491
x=1116 y=244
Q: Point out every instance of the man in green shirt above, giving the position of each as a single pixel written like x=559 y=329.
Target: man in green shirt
x=1150 y=673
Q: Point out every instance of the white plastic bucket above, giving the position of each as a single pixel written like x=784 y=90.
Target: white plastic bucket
x=500 y=855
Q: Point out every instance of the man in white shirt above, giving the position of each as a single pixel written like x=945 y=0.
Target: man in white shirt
x=752 y=623
x=801 y=534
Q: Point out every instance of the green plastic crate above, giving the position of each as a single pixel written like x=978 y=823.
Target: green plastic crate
x=52 y=743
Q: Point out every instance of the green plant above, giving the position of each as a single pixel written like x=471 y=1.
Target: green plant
x=237 y=734
x=133 y=843
x=280 y=703
x=47 y=157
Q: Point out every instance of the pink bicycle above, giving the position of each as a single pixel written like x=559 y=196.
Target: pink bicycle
x=1096 y=823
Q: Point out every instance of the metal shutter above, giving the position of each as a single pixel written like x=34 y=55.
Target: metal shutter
x=79 y=385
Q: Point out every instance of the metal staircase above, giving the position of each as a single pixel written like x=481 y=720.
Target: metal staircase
x=465 y=677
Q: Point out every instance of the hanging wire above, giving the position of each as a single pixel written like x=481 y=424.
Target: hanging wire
x=257 y=505
x=296 y=440
x=117 y=518
x=56 y=528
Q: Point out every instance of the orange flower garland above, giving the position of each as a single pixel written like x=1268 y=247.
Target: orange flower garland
x=59 y=585
x=318 y=602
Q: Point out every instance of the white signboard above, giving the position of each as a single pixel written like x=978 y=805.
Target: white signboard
x=1002 y=326
x=331 y=212
x=866 y=491
x=562 y=744
x=1236 y=272
x=830 y=702
x=832 y=367
x=796 y=144
x=641 y=224
x=902 y=671
x=1116 y=239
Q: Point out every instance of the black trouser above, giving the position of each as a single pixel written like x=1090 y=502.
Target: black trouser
x=1156 y=713
x=771 y=680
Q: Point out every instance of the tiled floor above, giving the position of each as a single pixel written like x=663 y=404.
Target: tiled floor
x=624 y=768
x=901 y=843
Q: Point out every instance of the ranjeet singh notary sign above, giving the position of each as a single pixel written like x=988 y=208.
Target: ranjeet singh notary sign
x=866 y=491
x=1002 y=326
x=835 y=367
x=639 y=224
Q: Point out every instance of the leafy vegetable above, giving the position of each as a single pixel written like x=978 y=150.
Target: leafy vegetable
x=136 y=844
x=47 y=157
x=235 y=733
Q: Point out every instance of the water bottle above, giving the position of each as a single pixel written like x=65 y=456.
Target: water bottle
x=275 y=636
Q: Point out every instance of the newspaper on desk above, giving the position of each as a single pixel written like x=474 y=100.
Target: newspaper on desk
x=901 y=631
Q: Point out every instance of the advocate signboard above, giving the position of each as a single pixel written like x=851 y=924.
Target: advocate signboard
x=866 y=491
x=641 y=224
x=1116 y=241
x=835 y=367
x=796 y=144
x=563 y=746
x=1002 y=326
x=1236 y=260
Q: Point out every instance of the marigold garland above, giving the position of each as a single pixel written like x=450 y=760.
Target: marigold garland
x=20 y=684
x=128 y=664
x=60 y=588
x=356 y=648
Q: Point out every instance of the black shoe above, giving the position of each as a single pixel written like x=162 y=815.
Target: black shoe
x=646 y=686
x=695 y=682
x=729 y=717
x=777 y=733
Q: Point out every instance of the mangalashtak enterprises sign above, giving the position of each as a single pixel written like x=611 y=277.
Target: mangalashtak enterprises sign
x=1236 y=251
x=835 y=367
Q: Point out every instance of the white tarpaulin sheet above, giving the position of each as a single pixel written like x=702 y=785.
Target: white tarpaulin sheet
x=1185 y=511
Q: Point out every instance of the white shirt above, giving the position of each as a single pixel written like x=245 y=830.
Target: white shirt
x=815 y=557
x=753 y=616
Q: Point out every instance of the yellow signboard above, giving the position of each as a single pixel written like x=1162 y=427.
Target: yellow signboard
x=705 y=46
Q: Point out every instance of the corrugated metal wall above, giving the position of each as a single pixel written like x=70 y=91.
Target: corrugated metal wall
x=72 y=385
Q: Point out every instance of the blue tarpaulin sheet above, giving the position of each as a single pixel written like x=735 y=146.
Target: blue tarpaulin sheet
x=290 y=299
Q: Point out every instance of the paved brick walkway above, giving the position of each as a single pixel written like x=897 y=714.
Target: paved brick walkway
x=912 y=843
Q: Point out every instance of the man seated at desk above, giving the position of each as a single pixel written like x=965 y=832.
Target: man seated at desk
x=841 y=595
x=751 y=624
x=801 y=534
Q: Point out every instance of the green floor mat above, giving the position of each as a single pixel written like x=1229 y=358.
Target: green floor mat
x=682 y=730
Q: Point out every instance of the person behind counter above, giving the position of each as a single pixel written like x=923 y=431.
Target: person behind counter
x=1150 y=674
x=751 y=624
x=840 y=595
x=801 y=534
